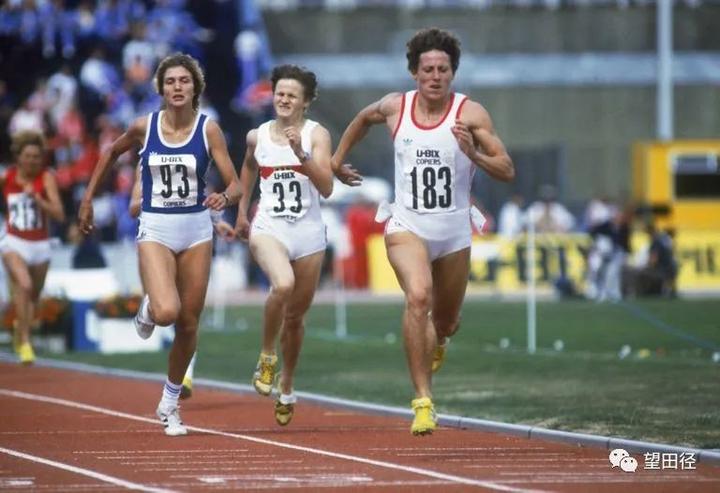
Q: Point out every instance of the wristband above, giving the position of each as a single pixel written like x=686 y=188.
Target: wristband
x=227 y=199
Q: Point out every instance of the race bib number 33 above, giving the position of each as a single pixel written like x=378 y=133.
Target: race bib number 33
x=286 y=194
x=430 y=181
x=174 y=180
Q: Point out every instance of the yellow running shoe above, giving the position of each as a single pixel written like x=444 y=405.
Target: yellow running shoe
x=264 y=375
x=186 y=390
x=26 y=354
x=284 y=408
x=425 y=420
x=439 y=355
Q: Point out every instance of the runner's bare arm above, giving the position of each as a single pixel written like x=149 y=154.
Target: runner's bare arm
x=476 y=137
x=385 y=110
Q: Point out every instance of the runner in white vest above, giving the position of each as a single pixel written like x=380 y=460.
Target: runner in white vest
x=287 y=237
x=440 y=138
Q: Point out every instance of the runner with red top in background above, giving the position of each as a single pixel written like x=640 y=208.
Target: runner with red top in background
x=31 y=197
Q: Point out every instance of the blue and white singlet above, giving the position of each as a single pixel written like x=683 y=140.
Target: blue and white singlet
x=173 y=175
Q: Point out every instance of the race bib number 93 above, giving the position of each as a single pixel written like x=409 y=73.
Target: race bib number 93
x=174 y=180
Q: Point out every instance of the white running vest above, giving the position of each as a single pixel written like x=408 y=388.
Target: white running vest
x=285 y=191
x=432 y=174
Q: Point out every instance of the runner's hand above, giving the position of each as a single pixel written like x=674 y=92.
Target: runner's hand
x=85 y=217
x=242 y=228
x=349 y=175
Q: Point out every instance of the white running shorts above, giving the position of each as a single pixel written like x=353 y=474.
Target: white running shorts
x=301 y=238
x=178 y=232
x=33 y=252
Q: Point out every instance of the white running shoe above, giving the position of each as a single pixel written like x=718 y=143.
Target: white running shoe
x=170 y=418
x=143 y=329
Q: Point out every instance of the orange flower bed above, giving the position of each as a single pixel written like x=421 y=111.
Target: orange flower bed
x=51 y=313
x=118 y=306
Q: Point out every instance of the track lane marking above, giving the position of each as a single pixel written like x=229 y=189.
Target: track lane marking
x=336 y=455
x=85 y=472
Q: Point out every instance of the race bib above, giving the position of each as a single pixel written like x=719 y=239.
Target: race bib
x=286 y=194
x=23 y=212
x=429 y=180
x=174 y=180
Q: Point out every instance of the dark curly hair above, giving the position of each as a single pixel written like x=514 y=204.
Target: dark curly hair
x=433 y=39
x=192 y=66
x=300 y=74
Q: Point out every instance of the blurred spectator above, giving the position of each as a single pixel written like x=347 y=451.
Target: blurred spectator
x=99 y=81
x=170 y=28
x=657 y=277
x=113 y=18
x=87 y=253
x=27 y=117
x=598 y=211
x=511 y=218
x=360 y=220
x=7 y=104
x=62 y=92
x=138 y=57
x=548 y=214
x=98 y=75
x=83 y=21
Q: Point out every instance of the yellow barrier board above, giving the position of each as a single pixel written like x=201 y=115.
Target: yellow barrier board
x=498 y=265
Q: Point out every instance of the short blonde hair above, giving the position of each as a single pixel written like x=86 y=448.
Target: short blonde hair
x=27 y=138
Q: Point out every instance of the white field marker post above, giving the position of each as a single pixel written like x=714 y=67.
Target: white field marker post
x=531 y=295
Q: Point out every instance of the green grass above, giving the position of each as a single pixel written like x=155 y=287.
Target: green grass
x=671 y=396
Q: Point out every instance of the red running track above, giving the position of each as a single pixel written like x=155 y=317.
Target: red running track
x=63 y=430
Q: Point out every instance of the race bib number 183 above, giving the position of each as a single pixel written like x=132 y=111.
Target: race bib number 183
x=431 y=181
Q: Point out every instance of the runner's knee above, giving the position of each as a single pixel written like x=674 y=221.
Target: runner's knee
x=446 y=326
x=419 y=298
x=163 y=312
x=283 y=288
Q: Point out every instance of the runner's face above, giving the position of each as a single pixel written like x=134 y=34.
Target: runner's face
x=434 y=74
x=289 y=98
x=178 y=87
x=30 y=160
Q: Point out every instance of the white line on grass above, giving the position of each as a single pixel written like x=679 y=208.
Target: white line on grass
x=85 y=472
x=353 y=458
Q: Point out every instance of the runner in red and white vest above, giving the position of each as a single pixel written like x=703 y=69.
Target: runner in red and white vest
x=31 y=198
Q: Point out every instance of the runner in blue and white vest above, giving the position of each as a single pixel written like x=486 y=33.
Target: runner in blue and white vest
x=175 y=236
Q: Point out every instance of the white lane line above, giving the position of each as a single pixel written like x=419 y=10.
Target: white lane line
x=85 y=472
x=352 y=458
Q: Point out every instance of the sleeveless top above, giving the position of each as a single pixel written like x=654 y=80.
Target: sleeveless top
x=173 y=175
x=25 y=218
x=286 y=192
x=432 y=174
